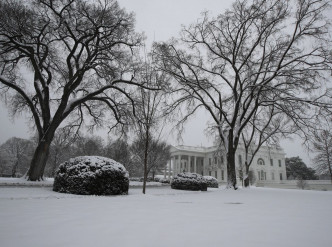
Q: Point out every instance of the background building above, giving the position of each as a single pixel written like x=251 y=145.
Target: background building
x=268 y=164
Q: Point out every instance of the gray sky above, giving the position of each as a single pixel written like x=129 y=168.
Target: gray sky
x=159 y=20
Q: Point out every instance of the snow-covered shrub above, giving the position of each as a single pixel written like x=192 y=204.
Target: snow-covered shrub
x=164 y=180
x=189 y=181
x=148 y=179
x=91 y=175
x=212 y=182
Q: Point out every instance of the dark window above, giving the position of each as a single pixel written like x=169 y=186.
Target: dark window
x=222 y=174
x=271 y=161
x=279 y=163
x=260 y=161
x=216 y=174
x=240 y=160
x=280 y=176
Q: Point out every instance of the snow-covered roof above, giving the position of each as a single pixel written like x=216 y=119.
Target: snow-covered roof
x=193 y=149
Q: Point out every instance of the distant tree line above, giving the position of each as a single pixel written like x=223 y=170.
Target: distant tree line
x=16 y=154
x=297 y=169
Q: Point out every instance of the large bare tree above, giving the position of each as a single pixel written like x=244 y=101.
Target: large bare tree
x=257 y=53
x=61 y=58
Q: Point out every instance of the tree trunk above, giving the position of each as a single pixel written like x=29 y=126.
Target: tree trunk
x=231 y=172
x=39 y=159
x=14 y=169
x=246 y=180
x=146 y=158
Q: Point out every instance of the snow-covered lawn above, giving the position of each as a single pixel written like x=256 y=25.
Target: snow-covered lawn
x=49 y=182
x=37 y=216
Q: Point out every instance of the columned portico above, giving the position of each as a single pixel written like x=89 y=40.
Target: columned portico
x=210 y=161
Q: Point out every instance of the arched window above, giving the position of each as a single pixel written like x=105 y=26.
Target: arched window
x=261 y=162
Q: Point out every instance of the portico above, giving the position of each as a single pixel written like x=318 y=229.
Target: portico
x=268 y=164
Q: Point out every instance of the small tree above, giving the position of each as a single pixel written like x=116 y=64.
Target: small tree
x=301 y=183
x=148 y=114
x=322 y=146
x=89 y=145
x=266 y=127
x=119 y=151
x=158 y=155
x=61 y=148
x=16 y=153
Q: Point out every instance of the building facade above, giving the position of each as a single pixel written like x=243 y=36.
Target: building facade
x=268 y=164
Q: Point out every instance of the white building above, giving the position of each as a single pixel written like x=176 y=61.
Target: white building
x=268 y=164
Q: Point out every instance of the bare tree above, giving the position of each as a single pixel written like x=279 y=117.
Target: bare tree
x=89 y=145
x=257 y=53
x=322 y=146
x=77 y=57
x=16 y=153
x=61 y=148
x=157 y=157
x=119 y=150
x=148 y=114
x=266 y=127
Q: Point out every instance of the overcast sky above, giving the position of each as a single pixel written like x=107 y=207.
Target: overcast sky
x=159 y=20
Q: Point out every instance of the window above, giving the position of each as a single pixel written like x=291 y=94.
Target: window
x=262 y=175
x=271 y=161
x=216 y=174
x=279 y=163
x=222 y=174
x=215 y=160
x=240 y=160
x=272 y=176
x=210 y=162
x=280 y=176
x=260 y=161
x=209 y=173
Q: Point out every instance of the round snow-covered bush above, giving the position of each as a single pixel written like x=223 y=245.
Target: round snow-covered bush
x=164 y=180
x=91 y=175
x=212 y=182
x=189 y=181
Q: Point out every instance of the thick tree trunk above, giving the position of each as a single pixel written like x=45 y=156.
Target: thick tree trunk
x=246 y=180
x=39 y=159
x=231 y=172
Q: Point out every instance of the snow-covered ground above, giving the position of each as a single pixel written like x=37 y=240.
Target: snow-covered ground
x=49 y=182
x=37 y=216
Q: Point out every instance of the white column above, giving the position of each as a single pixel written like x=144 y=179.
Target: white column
x=165 y=169
x=195 y=163
x=180 y=164
x=169 y=169
x=177 y=161
x=189 y=163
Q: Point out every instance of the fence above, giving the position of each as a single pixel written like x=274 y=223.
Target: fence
x=295 y=184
